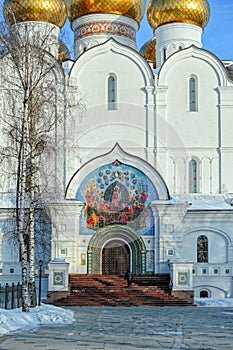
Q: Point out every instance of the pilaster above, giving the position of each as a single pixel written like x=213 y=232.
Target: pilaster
x=150 y=125
x=65 y=219
x=167 y=216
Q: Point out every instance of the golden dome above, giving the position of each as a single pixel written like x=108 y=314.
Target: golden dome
x=52 y=11
x=63 y=52
x=170 y=11
x=131 y=8
x=148 y=51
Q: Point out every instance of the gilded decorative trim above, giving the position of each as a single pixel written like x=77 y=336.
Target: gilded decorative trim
x=105 y=28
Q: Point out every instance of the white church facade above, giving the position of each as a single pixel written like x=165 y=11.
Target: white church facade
x=145 y=167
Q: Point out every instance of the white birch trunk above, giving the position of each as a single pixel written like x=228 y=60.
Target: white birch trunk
x=31 y=194
x=21 y=218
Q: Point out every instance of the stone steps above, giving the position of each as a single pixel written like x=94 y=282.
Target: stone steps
x=99 y=290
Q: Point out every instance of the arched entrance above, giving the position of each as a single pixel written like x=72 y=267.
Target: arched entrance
x=115 y=258
x=115 y=248
x=204 y=294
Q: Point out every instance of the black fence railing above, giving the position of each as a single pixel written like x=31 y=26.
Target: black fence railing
x=10 y=296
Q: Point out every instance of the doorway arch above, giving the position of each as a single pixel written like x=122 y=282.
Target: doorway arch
x=115 y=258
x=116 y=238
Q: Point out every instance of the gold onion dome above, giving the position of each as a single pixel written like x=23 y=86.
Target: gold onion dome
x=170 y=11
x=148 y=51
x=51 y=11
x=63 y=52
x=130 y=8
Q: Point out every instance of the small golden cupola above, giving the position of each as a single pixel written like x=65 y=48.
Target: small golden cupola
x=50 y=11
x=148 y=51
x=63 y=52
x=162 y=12
x=134 y=9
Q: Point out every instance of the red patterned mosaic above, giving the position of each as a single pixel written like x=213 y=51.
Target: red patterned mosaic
x=106 y=28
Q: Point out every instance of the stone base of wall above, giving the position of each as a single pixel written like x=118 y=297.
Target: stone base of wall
x=185 y=295
x=53 y=296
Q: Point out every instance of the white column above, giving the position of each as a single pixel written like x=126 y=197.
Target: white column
x=230 y=253
x=150 y=125
x=44 y=35
x=157 y=223
x=167 y=216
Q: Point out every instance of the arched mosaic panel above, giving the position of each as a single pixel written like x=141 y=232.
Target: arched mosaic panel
x=117 y=194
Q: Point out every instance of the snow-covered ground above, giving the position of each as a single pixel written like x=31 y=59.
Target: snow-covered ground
x=214 y=302
x=13 y=320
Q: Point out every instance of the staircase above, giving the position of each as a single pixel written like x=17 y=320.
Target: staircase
x=162 y=281
x=100 y=290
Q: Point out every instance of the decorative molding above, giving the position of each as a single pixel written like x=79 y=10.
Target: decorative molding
x=105 y=27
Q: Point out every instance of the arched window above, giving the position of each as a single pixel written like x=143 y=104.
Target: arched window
x=192 y=94
x=202 y=249
x=193 y=176
x=111 y=93
x=204 y=294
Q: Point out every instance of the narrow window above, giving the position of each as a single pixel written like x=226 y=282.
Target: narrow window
x=192 y=95
x=202 y=249
x=193 y=176
x=111 y=93
x=164 y=54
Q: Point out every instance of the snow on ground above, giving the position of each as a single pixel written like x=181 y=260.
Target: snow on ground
x=13 y=320
x=214 y=302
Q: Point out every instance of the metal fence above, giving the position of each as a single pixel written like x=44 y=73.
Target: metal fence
x=10 y=296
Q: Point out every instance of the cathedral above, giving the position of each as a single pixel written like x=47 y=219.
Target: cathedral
x=142 y=179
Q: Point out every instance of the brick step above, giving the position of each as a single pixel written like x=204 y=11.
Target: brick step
x=119 y=300
x=99 y=290
x=115 y=302
x=133 y=289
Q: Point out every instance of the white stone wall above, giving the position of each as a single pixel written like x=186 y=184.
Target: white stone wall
x=101 y=128
x=183 y=135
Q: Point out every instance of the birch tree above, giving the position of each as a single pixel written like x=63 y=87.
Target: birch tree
x=33 y=95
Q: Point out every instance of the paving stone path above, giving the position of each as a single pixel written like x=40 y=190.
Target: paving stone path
x=155 y=328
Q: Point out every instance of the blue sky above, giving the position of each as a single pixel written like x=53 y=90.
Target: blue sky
x=218 y=35
x=217 y=38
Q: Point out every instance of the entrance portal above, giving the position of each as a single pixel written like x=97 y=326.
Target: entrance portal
x=114 y=249
x=115 y=258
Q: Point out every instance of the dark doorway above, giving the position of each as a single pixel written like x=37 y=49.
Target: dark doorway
x=204 y=294
x=115 y=258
